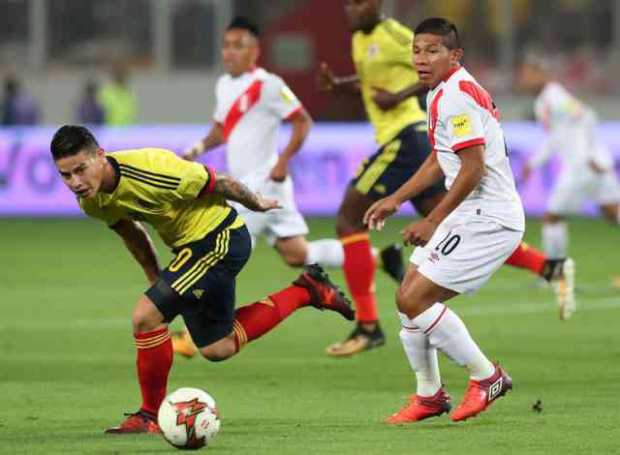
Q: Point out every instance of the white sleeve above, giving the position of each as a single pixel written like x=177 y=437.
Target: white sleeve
x=543 y=153
x=281 y=99
x=462 y=120
x=219 y=115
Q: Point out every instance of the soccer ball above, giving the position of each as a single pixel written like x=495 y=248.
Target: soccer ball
x=189 y=418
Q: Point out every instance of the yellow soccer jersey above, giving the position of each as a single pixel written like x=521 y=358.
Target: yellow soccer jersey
x=158 y=187
x=383 y=59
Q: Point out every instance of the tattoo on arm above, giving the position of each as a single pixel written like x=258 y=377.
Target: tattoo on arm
x=236 y=191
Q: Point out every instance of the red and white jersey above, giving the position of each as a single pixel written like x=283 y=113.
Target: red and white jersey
x=250 y=109
x=462 y=114
x=571 y=128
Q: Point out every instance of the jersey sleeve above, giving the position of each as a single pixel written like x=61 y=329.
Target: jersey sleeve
x=462 y=120
x=194 y=178
x=281 y=99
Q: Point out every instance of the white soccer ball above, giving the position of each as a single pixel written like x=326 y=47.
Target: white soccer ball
x=189 y=418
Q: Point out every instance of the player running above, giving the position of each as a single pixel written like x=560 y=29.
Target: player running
x=187 y=204
x=389 y=84
x=588 y=167
x=464 y=239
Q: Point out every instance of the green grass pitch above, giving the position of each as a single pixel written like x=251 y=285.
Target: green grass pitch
x=67 y=357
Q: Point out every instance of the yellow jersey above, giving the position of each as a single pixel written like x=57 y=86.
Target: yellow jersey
x=158 y=187
x=383 y=58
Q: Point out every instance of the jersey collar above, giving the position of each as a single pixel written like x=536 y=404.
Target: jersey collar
x=450 y=73
x=117 y=172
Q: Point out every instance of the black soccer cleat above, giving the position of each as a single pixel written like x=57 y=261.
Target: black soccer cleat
x=324 y=294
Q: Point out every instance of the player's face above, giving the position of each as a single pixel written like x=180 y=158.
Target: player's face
x=239 y=51
x=362 y=14
x=83 y=172
x=432 y=59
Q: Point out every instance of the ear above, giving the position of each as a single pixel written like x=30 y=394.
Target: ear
x=456 y=55
x=100 y=153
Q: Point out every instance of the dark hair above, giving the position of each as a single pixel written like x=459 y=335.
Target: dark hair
x=245 y=24
x=442 y=27
x=72 y=139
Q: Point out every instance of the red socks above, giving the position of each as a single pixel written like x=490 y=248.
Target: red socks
x=526 y=257
x=359 y=271
x=154 y=361
x=254 y=320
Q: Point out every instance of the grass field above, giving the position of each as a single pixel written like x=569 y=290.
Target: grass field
x=67 y=358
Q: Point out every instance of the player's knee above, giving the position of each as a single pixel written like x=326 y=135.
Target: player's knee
x=217 y=353
x=143 y=322
x=296 y=259
x=346 y=226
x=407 y=303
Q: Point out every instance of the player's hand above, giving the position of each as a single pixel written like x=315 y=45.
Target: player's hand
x=325 y=78
x=279 y=171
x=595 y=167
x=192 y=153
x=384 y=99
x=264 y=204
x=419 y=232
x=378 y=212
x=526 y=173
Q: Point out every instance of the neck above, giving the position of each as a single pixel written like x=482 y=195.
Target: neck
x=368 y=28
x=109 y=182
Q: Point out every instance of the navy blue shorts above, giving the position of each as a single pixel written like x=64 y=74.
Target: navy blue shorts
x=382 y=173
x=199 y=283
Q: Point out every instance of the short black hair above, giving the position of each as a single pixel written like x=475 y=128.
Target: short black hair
x=442 y=27
x=70 y=140
x=245 y=24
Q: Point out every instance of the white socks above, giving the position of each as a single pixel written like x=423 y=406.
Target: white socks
x=327 y=252
x=423 y=360
x=445 y=331
x=555 y=239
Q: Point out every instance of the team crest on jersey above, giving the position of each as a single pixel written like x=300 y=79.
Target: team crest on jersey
x=461 y=124
x=373 y=50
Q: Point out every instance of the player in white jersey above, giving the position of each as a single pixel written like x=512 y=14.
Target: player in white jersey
x=587 y=164
x=464 y=239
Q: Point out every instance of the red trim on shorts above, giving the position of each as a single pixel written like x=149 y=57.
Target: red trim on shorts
x=436 y=321
x=463 y=145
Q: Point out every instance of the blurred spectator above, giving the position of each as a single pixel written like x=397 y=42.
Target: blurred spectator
x=118 y=100
x=89 y=109
x=18 y=107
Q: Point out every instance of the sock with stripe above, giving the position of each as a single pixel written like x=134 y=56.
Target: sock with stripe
x=526 y=257
x=154 y=360
x=422 y=358
x=446 y=332
x=359 y=272
x=254 y=320
x=327 y=252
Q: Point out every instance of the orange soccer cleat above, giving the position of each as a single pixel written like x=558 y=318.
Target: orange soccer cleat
x=324 y=294
x=183 y=344
x=420 y=408
x=138 y=422
x=480 y=394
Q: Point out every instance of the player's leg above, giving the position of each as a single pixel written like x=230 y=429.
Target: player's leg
x=296 y=251
x=153 y=363
x=611 y=212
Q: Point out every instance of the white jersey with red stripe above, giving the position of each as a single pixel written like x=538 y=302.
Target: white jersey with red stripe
x=250 y=108
x=571 y=127
x=462 y=114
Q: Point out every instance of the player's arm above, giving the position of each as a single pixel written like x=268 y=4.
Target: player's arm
x=428 y=174
x=328 y=82
x=301 y=124
x=140 y=245
x=386 y=100
x=214 y=138
x=234 y=190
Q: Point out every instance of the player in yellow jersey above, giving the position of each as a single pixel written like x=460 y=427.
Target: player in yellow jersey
x=187 y=204
x=388 y=84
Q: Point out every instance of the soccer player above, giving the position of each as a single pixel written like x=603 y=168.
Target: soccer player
x=588 y=167
x=389 y=84
x=187 y=204
x=464 y=239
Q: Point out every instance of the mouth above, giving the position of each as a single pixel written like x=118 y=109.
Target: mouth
x=82 y=192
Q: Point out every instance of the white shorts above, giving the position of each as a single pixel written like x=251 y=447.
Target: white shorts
x=574 y=187
x=462 y=255
x=278 y=223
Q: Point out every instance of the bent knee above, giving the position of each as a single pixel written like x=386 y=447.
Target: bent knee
x=218 y=352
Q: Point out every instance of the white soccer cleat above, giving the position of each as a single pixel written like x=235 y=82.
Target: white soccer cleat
x=564 y=288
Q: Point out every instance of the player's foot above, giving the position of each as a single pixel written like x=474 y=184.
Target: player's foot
x=480 y=394
x=361 y=339
x=324 y=294
x=138 y=422
x=420 y=408
x=183 y=344
x=561 y=274
x=392 y=261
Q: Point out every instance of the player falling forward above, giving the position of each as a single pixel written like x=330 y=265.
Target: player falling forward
x=464 y=239
x=588 y=167
x=186 y=203
x=389 y=83
x=251 y=103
